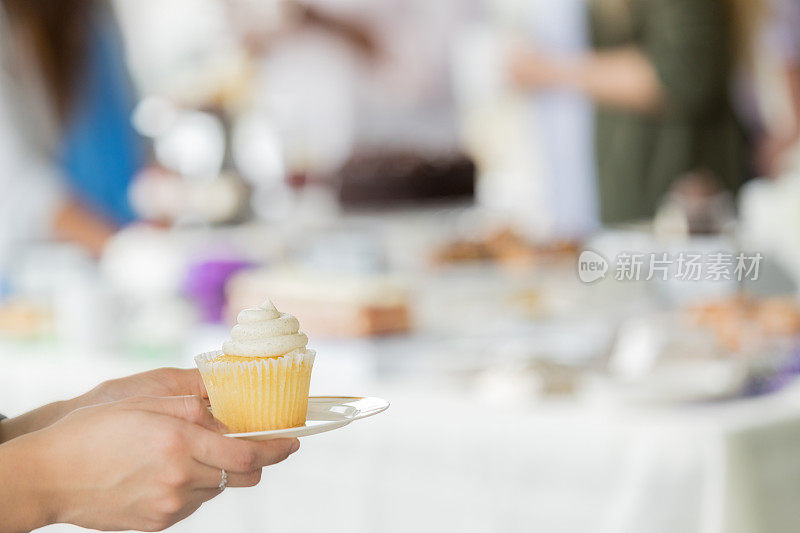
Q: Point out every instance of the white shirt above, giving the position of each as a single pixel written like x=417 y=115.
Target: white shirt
x=30 y=186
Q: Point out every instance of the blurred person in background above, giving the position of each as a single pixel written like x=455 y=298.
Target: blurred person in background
x=141 y=452
x=402 y=49
x=659 y=76
x=776 y=143
x=67 y=148
x=365 y=89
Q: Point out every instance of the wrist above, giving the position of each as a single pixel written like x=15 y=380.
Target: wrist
x=25 y=501
x=37 y=419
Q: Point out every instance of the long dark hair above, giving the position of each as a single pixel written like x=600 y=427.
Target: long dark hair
x=56 y=31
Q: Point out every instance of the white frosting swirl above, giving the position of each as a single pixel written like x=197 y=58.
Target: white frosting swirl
x=265 y=332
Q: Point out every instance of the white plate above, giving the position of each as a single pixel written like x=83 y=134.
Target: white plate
x=325 y=413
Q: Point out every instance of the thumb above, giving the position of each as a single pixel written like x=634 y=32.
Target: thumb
x=190 y=408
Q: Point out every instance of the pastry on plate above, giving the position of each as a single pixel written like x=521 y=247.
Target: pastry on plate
x=259 y=380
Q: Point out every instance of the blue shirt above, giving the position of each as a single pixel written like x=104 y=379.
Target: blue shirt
x=101 y=152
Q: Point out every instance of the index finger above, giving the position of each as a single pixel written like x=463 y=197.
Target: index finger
x=189 y=408
x=184 y=381
x=238 y=455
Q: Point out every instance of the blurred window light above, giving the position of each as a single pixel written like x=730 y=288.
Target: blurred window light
x=143 y=262
x=257 y=150
x=154 y=116
x=311 y=102
x=194 y=146
x=167 y=41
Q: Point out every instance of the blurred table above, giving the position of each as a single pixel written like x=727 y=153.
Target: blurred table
x=449 y=455
x=444 y=458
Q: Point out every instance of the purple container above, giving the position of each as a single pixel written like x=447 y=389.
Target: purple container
x=205 y=285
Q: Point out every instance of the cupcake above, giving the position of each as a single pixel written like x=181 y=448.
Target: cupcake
x=260 y=379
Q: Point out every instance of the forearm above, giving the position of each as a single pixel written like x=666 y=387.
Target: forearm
x=623 y=78
x=351 y=32
x=24 y=503
x=37 y=419
x=75 y=223
x=792 y=75
x=159 y=382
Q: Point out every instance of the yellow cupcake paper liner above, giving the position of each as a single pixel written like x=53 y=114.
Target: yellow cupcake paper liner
x=258 y=394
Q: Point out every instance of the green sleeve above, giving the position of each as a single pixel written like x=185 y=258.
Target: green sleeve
x=687 y=42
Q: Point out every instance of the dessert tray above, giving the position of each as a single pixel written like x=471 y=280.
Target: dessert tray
x=325 y=413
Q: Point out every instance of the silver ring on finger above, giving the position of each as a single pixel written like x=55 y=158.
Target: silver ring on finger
x=224 y=481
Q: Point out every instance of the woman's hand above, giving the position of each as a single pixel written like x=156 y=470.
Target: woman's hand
x=159 y=382
x=141 y=463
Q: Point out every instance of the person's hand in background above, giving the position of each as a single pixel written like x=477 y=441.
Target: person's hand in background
x=159 y=382
x=140 y=463
x=530 y=69
x=623 y=77
x=776 y=149
x=774 y=152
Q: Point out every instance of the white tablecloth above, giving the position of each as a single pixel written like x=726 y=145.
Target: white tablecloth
x=442 y=459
